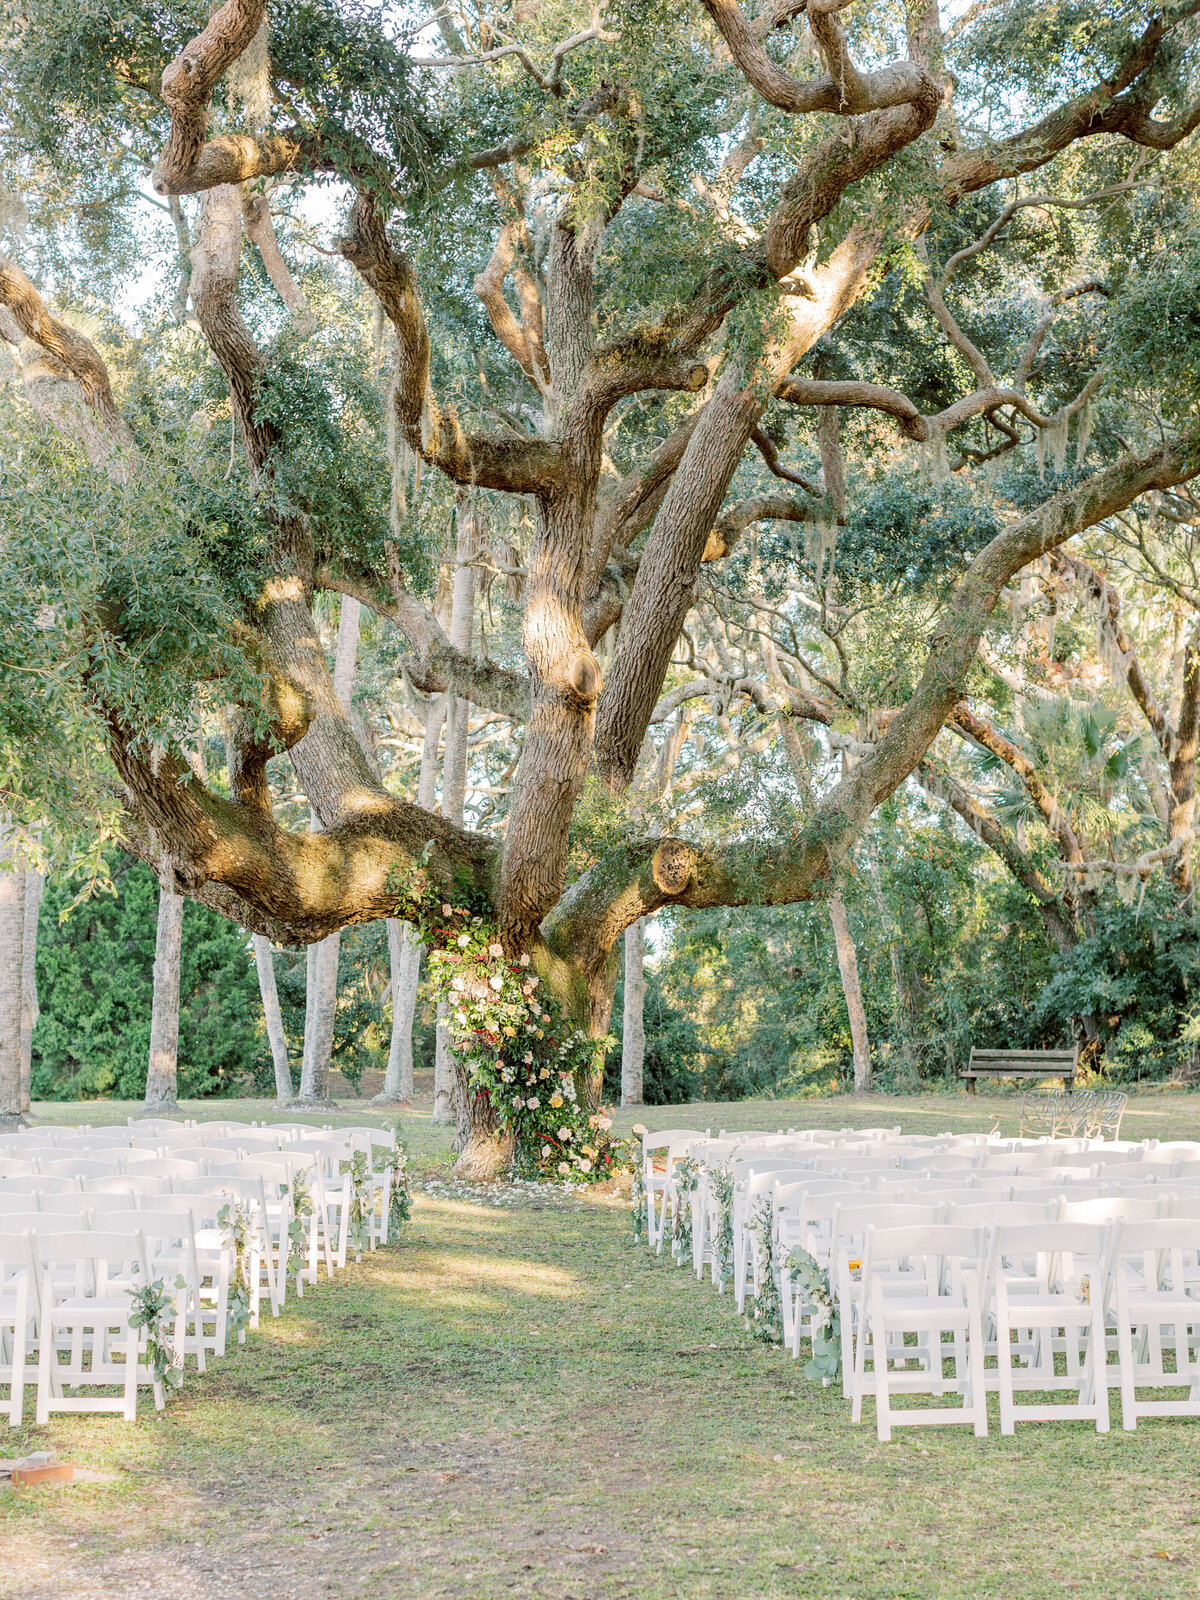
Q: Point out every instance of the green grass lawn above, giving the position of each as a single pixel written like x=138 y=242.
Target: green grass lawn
x=516 y=1401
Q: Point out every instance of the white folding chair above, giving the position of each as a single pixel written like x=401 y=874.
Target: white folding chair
x=84 y=1312
x=1054 y=1310
x=1154 y=1300
x=16 y=1313
x=922 y=1282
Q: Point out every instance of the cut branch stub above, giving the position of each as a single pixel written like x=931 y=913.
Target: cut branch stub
x=671 y=865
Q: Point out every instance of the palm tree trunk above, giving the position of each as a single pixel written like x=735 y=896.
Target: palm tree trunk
x=848 y=964
x=162 y=1073
x=276 y=1036
x=12 y=948
x=633 y=1031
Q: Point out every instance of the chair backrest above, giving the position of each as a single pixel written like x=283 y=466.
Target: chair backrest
x=934 y=1162
x=1174 y=1150
x=253 y=1141
x=927 y=1249
x=155 y=1124
x=273 y=1170
x=1062 y=1250
x=104 y=1262
x=1168 y=1251
x=134 y=1183
x=38 y=1183
x=39 y=1222
x=664 y=1137
x=76 y=1167
x=370 y=1137
x=1110 y=1208
x=161 y=1227
x=1007 y=1213
x=96 y=1138
x=854 y=1216
x=77 y=1203
x=204 y=1208
x=15 y=1167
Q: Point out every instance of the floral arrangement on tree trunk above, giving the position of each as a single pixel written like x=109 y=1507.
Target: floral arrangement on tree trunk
x=520 y=1050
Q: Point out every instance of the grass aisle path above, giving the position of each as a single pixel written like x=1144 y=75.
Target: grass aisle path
x=516 y=1402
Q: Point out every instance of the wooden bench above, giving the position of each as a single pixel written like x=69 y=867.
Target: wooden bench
x=1022 y=1064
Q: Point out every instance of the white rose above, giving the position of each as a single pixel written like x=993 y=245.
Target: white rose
x=604 y=1122
x=563 y=1167
x=446 y=911
x=535 y=980
x=545 y=1152
x=565 y=1133
x=585 y=1166
x=464 y=940
x=524 y=958
x=533 y=1102
x=458 y=983
x=528 y=1058
x=495 y=950
x=497 y=982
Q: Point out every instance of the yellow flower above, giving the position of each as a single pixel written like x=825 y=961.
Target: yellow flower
x=556 y=1100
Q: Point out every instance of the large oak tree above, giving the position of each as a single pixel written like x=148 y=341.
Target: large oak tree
x=682 y=229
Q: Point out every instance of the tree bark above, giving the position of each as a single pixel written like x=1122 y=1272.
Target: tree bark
x=264 y=961
x=162 y=1073
x=633 y=1031
x=320 y=1016
x=12 y=946
x=454 y=784
x=848 y=966
x=403 y=950
x=29 y=994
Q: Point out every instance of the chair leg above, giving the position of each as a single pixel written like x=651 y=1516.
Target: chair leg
x=1128 y=1370
x=1004 y=1375
x=131 y=1372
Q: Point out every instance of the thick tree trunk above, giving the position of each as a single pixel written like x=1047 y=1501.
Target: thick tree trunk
x=264 y=961
x=483 y=1155
x=162 y=1073
x=320 y=1011
x=29 y=994
x=848 y=965
x=403 y=950
x=633 y=1032
x=454 y=781
x=12 y=947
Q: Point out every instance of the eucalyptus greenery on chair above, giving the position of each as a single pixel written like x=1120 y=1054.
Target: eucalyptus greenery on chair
x=154 y=1309
x=807 y=1274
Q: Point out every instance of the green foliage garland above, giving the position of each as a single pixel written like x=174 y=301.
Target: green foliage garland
x=812 y=1280
x=154 y=1310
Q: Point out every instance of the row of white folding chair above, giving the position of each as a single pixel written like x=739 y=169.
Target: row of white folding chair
x=852 y=1218
x=925 y=1280
x=1048 y=1295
